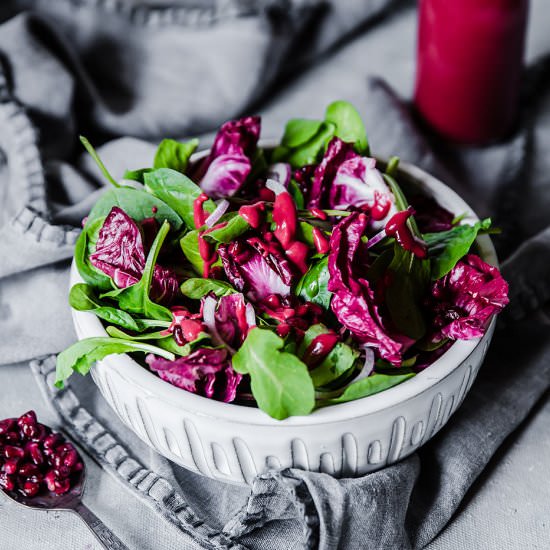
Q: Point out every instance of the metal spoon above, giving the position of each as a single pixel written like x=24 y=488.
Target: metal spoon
x=72 y=501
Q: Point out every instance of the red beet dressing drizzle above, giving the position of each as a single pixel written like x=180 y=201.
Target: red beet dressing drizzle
x=252 y=214
x=185 y=326
x=206 y=250
x=318 y=213
x=285 y=217
x=380 y=207
x=199 y=215
x=397 y=227
x=320 y=241
x=319 y=348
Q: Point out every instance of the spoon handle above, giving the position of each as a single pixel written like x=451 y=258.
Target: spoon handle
x=103 y=534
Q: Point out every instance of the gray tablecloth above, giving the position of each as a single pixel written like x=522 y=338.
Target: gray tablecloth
x=109 y=69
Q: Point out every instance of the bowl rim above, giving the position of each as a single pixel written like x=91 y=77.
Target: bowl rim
x=88 y=325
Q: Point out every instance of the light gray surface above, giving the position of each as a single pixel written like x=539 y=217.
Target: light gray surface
x=508 y=507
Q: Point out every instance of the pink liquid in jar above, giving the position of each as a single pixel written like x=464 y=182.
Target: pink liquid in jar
x=469 y=64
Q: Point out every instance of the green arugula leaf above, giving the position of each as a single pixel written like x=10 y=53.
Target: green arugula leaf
x=280 y=382
x=177 y=191
x=83 y=354
x=196 y=288
x=170 y=345
x=409 y=281
x=174 y=154
x=369 y=386
x=313 y=285
x=114 y=332
x=135 y=298
x=93 y=153
x=349 y=126
x=138 y=204
x=82 y=297
x=85 y=245
x=341 y=359
x=446 y=248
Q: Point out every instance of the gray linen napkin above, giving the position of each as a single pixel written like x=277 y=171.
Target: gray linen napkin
x=85 y=70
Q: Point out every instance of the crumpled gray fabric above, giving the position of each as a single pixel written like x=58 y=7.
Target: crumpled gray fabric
x=110 y=69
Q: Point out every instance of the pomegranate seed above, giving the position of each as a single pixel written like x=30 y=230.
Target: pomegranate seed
x=65 y=448
x=62 y=472
x=51 y=441
x=61 y=486
x=7 y=425
x=40 y=433
x=70 y=459
x=10 y=466
x=27 y=418
x=7 y=482
x=10 y=451
x=78 y=467
x=12 y=437
x=33 y=450
x=30 y=488
x=29 y=469
x=49 y=480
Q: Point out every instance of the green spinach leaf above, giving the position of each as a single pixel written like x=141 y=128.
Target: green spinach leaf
x=313 y=285
x=138 y=204
x=447 y=247
x=93 y=153
x=174 y=154
x=196 y=288
x=298 y=131
x=349 y=126
x=82 y=297
x=177 y=191
x=85 y=245
x=235 y=226
x=369 y=386
x=280 y=382
x=341 y=359
x=137 y=175
x=409 y=277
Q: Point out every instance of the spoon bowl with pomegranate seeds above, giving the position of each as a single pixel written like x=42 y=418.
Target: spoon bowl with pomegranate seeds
x=40 y=468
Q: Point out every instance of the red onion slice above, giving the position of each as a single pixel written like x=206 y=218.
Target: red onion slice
x=275 y=186
x=376 y=239
x=221 y=209
x=280 y=171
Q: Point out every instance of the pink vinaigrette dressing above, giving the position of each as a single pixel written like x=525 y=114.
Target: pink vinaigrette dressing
x=469 y=63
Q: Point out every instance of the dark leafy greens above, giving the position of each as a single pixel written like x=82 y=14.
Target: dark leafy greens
x=293 y=278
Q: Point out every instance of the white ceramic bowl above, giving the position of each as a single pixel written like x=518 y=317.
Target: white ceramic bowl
x=235 y=443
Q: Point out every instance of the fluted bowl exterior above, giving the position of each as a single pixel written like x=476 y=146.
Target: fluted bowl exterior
x=234 y=443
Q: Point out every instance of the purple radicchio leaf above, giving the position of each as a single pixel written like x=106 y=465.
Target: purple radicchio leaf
x=120 y=255
x=353 y=301
x=225 y=170
x=429 y=215
x=231 y=319
x=337 y=152
x=359 y=184
x=256 y=268
x=205 y=372
x=466 y=298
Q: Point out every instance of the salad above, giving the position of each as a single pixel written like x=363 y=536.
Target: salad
x=287 y=278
